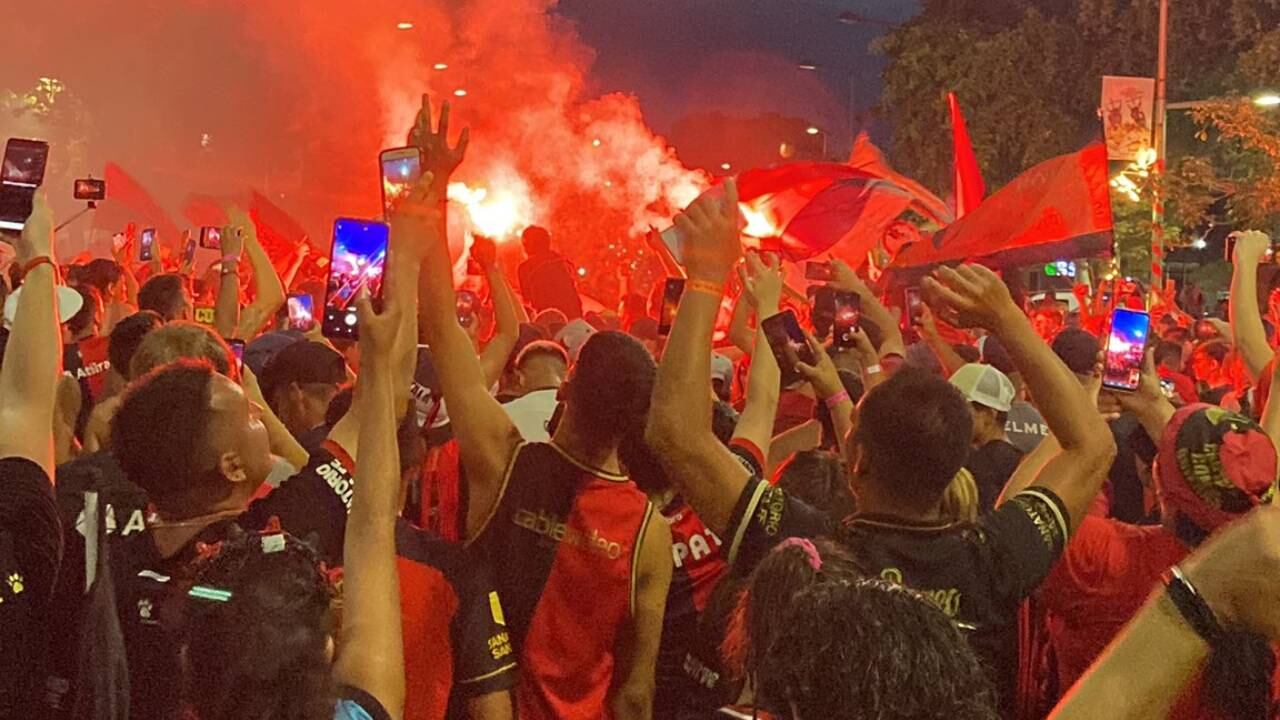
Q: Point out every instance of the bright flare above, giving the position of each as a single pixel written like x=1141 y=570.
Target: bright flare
x=758 y=224
x=497 y=214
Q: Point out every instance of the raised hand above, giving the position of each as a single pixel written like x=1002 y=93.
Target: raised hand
x=711 y=245
x=378 y=330
x=970 y=296
x=762 y=283
x=1252 y=246
x=36 y=239
x=417 y=218
x=484 y=251
x=236 y=232
x=439 y=159
x=845 y=279
x=822 y=374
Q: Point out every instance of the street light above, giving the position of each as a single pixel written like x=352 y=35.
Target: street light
x=807 y=65
x=725 y=166
x=404 y=25
x=459 y=93
x=812 y=130
x=440 y=66
x=1268 y=100
x=853 y=18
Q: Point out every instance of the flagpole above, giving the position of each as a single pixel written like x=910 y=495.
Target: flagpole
x=1161 y=116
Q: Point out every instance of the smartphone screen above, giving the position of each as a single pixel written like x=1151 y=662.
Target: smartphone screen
x=237 y=349
x=820 y=271
x=21 y=172
x=301 y=312
x=90 y=189
x=189 y=252
x=466 y=304
x=847 y=317
x=1125 y=347
x=211 y=237
x=401 y=169
x=823 y=313
x=672 y=291
x=788 y=344
x=356 y=262
x=913 y=306
x=146 y=245
x=1168 y=389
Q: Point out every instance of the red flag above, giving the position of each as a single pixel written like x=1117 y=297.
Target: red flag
x=967 y=179
x=127 y=201
x=1059 y=208
x=866 y=157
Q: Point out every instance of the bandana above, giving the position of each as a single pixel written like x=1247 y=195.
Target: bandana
x=1214 y=466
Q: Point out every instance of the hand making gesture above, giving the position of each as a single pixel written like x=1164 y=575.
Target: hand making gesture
x=438 y=158
x=711 y=243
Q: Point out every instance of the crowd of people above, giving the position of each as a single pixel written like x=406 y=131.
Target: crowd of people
x=498 y=503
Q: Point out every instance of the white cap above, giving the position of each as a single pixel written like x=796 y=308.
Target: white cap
x=69 y=303
x=984 y=385
x=574 y=335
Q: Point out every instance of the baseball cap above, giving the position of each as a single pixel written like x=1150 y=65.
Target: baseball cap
x=69 y=303
x=574 y=336
x=1213 y=466
x=721 y=368
x=984 y=385
x=261 y=349
x=302 y=362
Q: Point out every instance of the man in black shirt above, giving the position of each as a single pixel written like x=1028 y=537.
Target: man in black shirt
x=910 y=439
x=992 y=459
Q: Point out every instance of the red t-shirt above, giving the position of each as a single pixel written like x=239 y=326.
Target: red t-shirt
x=1185 y=386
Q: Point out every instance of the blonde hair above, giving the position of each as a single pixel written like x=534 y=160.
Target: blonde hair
x=960 y=500
x=182 y=340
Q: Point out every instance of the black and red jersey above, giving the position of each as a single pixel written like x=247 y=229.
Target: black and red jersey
x=564 y=541
x=88 y=363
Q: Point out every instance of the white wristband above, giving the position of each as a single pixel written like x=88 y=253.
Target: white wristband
x=873 y=369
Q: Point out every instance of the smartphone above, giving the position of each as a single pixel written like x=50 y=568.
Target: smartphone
x=820 y=271
x=21 y=173
x=189 y=251
x=466 y=305
x=237 y=349
x=400 y=168
x=1168 y=389
x=913 y=306
x=118 y=242
x=356 y=261
x=301 y=312
x=848 y=316
x=823 y=314
x=90 y=189
x=788 y=344
x=672 y=291
x=674 y=238
x=211 y=237
x=1126 y=345
x=146 y=245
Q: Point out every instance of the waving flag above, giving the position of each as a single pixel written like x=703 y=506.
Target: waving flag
x=868 y=158
x=1057 y=209
x=127 y=201
x=967 y=178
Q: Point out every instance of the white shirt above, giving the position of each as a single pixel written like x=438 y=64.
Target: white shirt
x=532 y=412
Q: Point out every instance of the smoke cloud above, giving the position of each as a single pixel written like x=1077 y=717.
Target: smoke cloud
x=296 y=99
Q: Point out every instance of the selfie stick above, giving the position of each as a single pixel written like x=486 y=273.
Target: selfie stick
x=92 y=206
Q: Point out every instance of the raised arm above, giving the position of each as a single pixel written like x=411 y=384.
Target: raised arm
x=33 y=357
x=371 y=654
x=299 y=257
x=679 y=429
x=947 y=355
x=226 y=307
x=268 y=291
x=874 y=311
x=487 y=439
x=973 y=296
x=1247 y=330
x=763 y=283
x=1147 y=666
x=740 y=333
x=493 y=359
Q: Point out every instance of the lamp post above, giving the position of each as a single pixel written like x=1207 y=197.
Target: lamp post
x=851 y=113
x=1161 y=112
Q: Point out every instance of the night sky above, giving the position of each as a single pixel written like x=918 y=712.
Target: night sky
x=737 y=56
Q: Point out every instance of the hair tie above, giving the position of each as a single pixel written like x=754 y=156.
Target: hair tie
x=805 y=544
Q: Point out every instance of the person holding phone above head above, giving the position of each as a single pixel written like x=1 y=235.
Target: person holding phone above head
x=583 y=563
x=912 y=435
x=30 y=534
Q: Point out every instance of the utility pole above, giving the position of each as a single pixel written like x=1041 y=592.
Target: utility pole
x=1161 y=112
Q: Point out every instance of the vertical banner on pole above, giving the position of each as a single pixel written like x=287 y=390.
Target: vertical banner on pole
x=1127 y=115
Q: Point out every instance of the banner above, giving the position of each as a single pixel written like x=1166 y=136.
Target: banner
x=966 y=175
x=1058 y=209
x=1127 y=110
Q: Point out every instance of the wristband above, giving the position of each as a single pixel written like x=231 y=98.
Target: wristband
x=1191 y=605
x=229 y=259
x=873 y=369
x=704 y=286
x=36 y=262
x=834 y=401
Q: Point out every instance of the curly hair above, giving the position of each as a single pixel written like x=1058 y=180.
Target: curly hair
x=871 y=649
x=258 y=630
